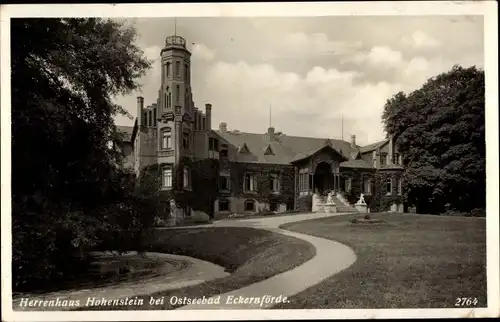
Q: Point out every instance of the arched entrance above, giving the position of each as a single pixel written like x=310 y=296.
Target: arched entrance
x=323 y=178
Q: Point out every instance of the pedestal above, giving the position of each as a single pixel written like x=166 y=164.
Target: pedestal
x=330 y=208
x=361 y=207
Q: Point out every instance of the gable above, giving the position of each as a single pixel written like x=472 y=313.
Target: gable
x=243 y=148
x=269 y=151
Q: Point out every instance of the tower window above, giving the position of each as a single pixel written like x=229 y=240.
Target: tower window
x=165 y=103
x=154 y=117
x=186 y=72
x=169 y=100
x=166 y=139
x=178 y=68
x=177 y=93
x=145 y=119
x=168 y=69
x=185 y=141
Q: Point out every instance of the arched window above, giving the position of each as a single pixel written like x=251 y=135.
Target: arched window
x=167 y=73
x=186 y=178
x=169 y=100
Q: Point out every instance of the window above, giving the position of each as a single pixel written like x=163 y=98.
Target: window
x=169 y=100
x=224 y=183
x=166 y=139
x=154 y=117
x=249 y=205
x=273 y=206
x=213 y=144
x=400 y=187
x=223 y=152
x=223 y=205
x=145 y=119
x=388 y=186
x=250 y=182
x=275 y=183
x=395 y=158
x=186 y=72
x=185 y=141
x=383 y=159
x=168 y=69
x=177 y=93
x=367 y=186
x=178 y=68
x=303 y=182
x=167 y=177
x=186 y=178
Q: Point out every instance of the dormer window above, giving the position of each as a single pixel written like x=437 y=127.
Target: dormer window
x=269 y=151
x=243 y=148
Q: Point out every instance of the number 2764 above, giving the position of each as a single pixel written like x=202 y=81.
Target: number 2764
x=466 y=301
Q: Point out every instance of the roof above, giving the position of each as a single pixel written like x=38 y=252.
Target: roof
x=373 y=146
x=126 y=131
x=359 y=163
x=285 y=148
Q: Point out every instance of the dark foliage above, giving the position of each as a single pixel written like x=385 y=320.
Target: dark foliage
x=67 y=186
x=440 y=130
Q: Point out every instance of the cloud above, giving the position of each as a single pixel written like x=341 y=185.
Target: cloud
x=202 y=52
x=420 y=40
x=241 y=91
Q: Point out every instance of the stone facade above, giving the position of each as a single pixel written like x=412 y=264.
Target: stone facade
x=222 y=172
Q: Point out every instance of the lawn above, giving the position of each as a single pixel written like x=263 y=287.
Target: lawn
x=411 y=261
x=250 y=255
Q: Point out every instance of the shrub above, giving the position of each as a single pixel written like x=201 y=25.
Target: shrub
x=368 y=217
x=200 y=217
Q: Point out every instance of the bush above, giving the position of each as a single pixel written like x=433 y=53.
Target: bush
x=200 y=217
x=368 y=217
x=478 y=212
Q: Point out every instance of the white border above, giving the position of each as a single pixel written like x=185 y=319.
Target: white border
x=488 y=9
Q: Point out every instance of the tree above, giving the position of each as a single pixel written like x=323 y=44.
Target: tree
x=65 y=177
x=440 y=130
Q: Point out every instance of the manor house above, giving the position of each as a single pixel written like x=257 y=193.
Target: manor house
x=229 y=171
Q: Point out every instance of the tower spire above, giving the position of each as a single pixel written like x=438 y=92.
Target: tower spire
x=175 y=26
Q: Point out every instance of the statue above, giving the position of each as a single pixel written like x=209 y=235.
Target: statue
x=361 y=200
x=173 y=209
x=329 y=199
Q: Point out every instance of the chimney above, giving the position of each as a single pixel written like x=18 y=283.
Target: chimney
x=208 y=113
x=353 y=141
x=223 y=127
x=270 y=133
x=140 y=107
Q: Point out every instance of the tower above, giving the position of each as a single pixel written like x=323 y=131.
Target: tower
x=176 y=108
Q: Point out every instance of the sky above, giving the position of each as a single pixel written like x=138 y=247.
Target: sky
x=313 y=73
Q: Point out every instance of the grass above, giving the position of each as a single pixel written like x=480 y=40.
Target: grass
x=250 y=255
x=412 y=261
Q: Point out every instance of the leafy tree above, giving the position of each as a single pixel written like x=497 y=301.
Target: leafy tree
x=65 y=176
x=440 y=130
